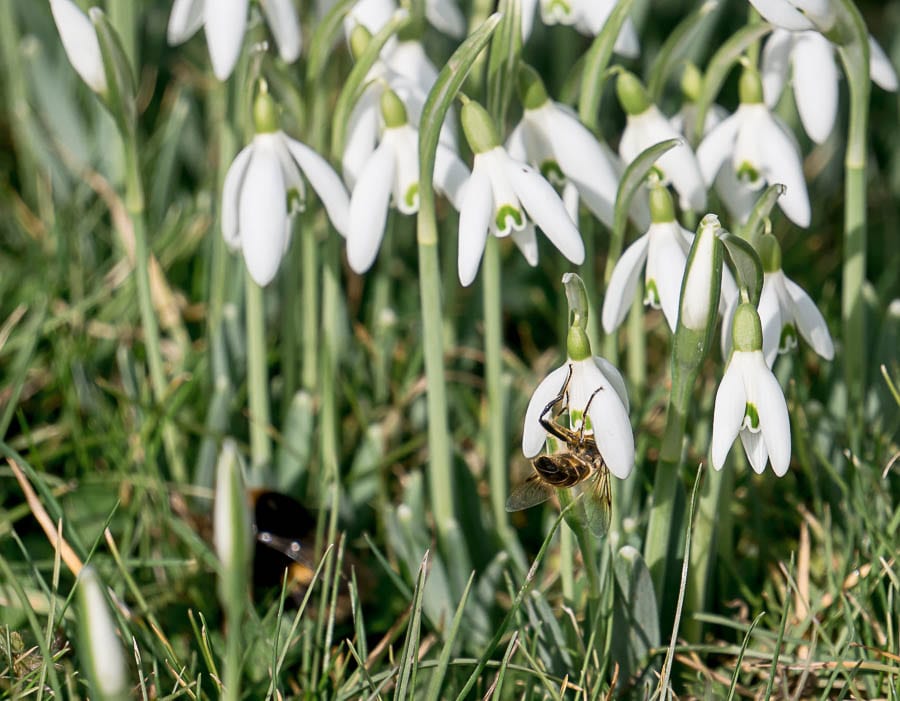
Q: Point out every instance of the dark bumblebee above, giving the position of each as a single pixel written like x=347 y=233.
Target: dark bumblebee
x=581 y=462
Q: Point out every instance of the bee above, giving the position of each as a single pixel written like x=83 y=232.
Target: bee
x=579 y=464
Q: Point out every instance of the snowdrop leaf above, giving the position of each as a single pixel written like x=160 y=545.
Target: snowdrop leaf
x=323 y=38
x=635 y=615
x=595 y=62
x=440 y=98
x=676 y=47
x=119 y=79
x=632 y=179
x=760 y=212
x=503 y=60
x=353 y=86
x=719 y=66
x=747 y=266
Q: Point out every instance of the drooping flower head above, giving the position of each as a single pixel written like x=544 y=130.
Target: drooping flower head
x=587 y=16
x=79 y=39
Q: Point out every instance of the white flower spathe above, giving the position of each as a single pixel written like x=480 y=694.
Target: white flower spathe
x=393 y=169
x=493 y=200
x=79 y=39
x=759 y=149
x=750 y=403
x=608 y=410
x=678 y=165
x=106 y=660
x=255 y=216
x=553 y=139
x=225 y=21
x=809 y=58
x=664 y=249
x=587 y=16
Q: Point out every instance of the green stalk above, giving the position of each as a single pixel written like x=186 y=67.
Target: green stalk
x=706 y=528
x=257 y=381
x=134 y=204
x=123 y=17
x=493 y=360
x=310 y=325
x=576 y=520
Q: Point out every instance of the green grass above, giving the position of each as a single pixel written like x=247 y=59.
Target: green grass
x=803 y=594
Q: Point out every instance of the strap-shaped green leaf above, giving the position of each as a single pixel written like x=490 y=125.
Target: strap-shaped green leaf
x=503 y=61
x=596 y=61
x=719 y=65
x=760 y=212
x=353 y=87
x=323 y=38
x=676 y=46
x=119 y=99
x=440 y=98
x=746 y=264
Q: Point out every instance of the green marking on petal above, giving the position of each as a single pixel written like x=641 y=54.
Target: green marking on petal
x=788 y=340
x=506 y=212
x=296 y=202
x=749 y=175
x=551 y=5
x=651 y=294
x=551 y=171
x=411 y=196
x=751 y=417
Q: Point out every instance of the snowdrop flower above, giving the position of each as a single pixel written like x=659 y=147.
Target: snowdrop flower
x=646 y=126
x=101 y=650
x=749 y=402
x=259 y=184
x=810 y=58
x=394 y=169
x=551 y=138
x=443 y=15
x=225 y=22
x=79 y=39
x=760 y=150
x=608 y=411
x=664 y=249
x=496 y=194
x=587 y=16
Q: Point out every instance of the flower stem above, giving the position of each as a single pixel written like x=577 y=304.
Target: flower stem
x=493 y=349
x=257 y=381
x=576 y=520
x=134 y=203
x=309 y=336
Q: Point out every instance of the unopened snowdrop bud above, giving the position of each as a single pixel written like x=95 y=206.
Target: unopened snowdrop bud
x=232 y=530
x=101 y=650
x=531 y=88
x=79 y=39
x=703 y=277
x=632 y=95
x=479 y=127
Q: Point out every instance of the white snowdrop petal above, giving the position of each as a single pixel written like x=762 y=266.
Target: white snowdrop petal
x=546 y=210
x=680 y=166
x=612 y=431
x=362 y=134
x=185 y=19
x=770 y=318
x=325 y=182
x=475 y=209
x=231 y=191
x=225 y=23
x=666 y=259
x=533 y=434
x=782 y=14
x=781 y=164
x=446 y=17
x=775 y=425
x=526 y=241
x=262 y=216
x=285 y=26
x=450 y=174
x=612 y=374
x=515 y=142
x=731 y=400
x=79 y=39
x=368 y=208
x=881 y=70
x=627 y=43
x=717 y=146
x=815 y=84
x=756 y=449
x=775 y=64
x=739 y=199
x=810 y=322
x=623 y=284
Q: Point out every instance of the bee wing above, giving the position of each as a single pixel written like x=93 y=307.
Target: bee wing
x=598 y=503
x=531 y=492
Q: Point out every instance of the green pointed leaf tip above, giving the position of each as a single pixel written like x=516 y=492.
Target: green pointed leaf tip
x=746 y=332
x=662 y=208
x=392 y=109
x=750 y=86
x=479 y=127
x=769 y=253
x=747 y=266
x=761 y=211
x=632 y=95
x=265 y=111
x=531 y=88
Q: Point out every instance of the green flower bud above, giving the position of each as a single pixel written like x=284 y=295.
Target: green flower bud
x=531 y=88
x=662 y=209
x=632 y=95
x=750 y=86
x=359 y=40
x=265 y=112
x=691 y=82
x=479 y=127
x=392 y=109
x=746 y=330
x=769 y=253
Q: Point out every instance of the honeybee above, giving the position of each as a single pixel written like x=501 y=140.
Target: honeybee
x=580 y=463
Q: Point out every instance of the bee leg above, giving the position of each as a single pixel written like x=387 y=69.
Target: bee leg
x=586 y=408
x=552 y=427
